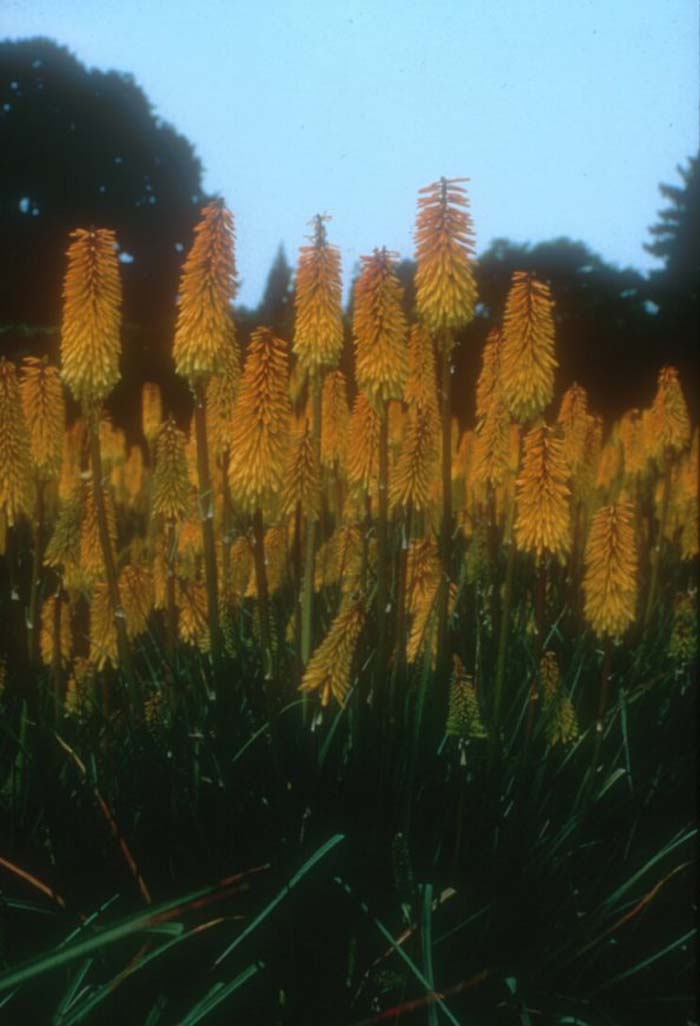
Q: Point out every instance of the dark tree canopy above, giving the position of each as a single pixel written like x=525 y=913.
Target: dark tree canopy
x=81 y=147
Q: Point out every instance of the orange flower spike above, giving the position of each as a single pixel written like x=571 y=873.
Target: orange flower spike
x=151 y=411
x=527 y=359
x=302 y=479
x=420 y=389
x=610 y=581
x=335 y=419
x=492 y=444
x=45 y=413
x=47 y=637
x=363 y=444
x=90 y=333
x=171 y=484
x=379 y=328
x=631 y=435
x=207 y=288
x=444 y=236
x=669 y=421
x=415 y=469
x=318 y=329
x=542 y=523
x=489 y=381
x=15 y=453
x=573 y=417
x=328 y=671
x=259 y=437
x=222 y=391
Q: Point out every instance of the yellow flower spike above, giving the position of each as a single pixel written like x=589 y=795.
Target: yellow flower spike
x=90 y=332
x=261 y=422
x=222 y=390
x=302 y=475
x=420 y=389
x=631 y=435
x=610 y=464
x=363 y=445
x=172 y=489
x=444 y=236
x=464 y=716
x=416 y=467
x=207 y=288
x=45 y=413
x=335 y=419
x=47 y=636
x=489 y=381
x=15 y=454
x=379 y=328
x=74 y=455
x=318 y=329
x=610 y=581
x=669 y=422
x=134 y=475
x=328 y=671
x=492 y=445
x=151 y=411
x=192 y=622
x=63 y=550
x=136 y=589
x=573 y=417
x=527 y=357
x=103 y=632
x=276 y=545
x=241 y=567
x=562 y=726
x=91 y=558
x=542 y=523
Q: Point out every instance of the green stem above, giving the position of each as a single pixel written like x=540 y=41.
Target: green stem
x=263 y=595
x=505 y=618
x=206 y=512
x=307 y=599
x=446 y=521
x=33 y=629
x=656 y=551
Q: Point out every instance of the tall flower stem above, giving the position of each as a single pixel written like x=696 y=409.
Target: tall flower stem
x=123 y=647
x=383 y=568
x=539 y=644
x=263 y=596
x=446 y=521
x=505 y=618
x=656 y=550
x=33 y=625
x=311 y=531
x=206 y=512
x=171 y=611
x=56 y=653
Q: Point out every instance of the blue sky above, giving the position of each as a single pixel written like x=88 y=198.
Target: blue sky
x=565 y=115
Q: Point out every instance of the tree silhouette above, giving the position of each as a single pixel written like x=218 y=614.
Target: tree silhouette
x=674 y=287
x=276 y=308
x=81 y=147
